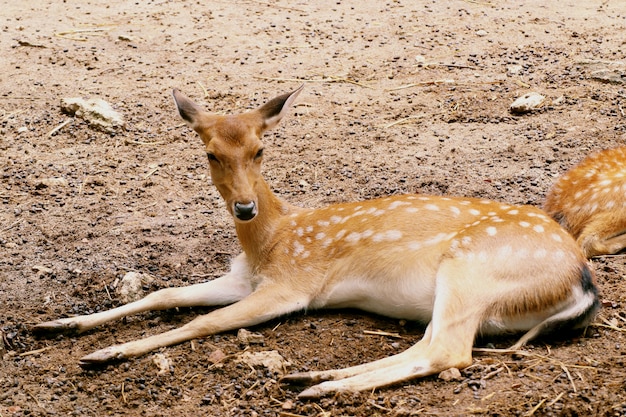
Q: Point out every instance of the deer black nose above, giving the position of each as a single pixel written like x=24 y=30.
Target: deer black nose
x=245 y=211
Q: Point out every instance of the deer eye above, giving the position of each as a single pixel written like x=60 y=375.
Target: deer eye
x=212 y=158
x=259 y=154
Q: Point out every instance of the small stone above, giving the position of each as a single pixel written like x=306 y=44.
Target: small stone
x=43 y=270
x=514 y=69
x=271 y=360
x=481 y=33
x=131 y=286
x=527 y=103
x=452 y=374
x=163 y=363
x=51 y=182
x=609 y=76
x=217 y=356
x=97 y=112
x=249 y=338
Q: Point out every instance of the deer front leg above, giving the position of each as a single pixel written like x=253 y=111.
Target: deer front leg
x=232 y=287
x=262 y=305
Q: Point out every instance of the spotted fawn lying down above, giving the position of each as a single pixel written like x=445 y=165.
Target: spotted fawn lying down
x=590 y=202
x=462 y=266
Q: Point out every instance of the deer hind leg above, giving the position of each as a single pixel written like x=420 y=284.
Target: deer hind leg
x=232 y=287
x=447 y=343
x=265 y=303
x=604 y=235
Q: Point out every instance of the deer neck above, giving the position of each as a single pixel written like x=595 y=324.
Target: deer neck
x=256 y=236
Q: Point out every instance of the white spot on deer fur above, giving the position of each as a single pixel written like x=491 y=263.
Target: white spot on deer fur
x=335 y=219
x=389 y=236
x=474 y=212
x=379 y=212
x=578 y=194
x=439 y=237
x=320 y=236
x=306 y=254
x=292 y=223
x=340 y=234
x=323 y=223
x=432 y=207
x=326 y=243
x=465 y=203
x=455 y=210
x=397 y=204
x=538 y=228
x=357 y=208
x=299 y=231
x=298 y=248
x=540 y=253
x=491 y=231
x=423 y=198
x=415 y=245
x=559 y=255
x=466 y=240
x=309 y=229
x=353 y=237
x=411 y=209
x=606 y=182
x=513 y=212
x=491 y=213
x=505 y=251
x=557 y=237
x=524 y=224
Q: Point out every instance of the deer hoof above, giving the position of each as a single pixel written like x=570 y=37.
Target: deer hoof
x=303 y=378
x=315 y=392
x=101 y=357
x=55 y=327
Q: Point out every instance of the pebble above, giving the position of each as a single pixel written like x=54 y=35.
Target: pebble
x=131 y=286
x=452 y=374
x=97 y=112
x=609 y=76
x=249 y=338
x=527 y=103
x=271 y=360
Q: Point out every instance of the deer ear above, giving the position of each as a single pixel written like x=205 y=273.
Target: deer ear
x=187 y=109
x=274 y=110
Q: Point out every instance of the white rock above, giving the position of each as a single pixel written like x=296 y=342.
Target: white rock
x=97 y=112
x=52 y=182
x=130 y=287
x=452 y=374
x=514 y=69
x=248 y=338
x=163 y=363
x=527 y=103
x=269 y=359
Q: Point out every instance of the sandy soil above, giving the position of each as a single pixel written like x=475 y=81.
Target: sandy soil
x=400 y=96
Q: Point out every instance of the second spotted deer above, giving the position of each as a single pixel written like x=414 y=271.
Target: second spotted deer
x=462 y=266
x=590 y=202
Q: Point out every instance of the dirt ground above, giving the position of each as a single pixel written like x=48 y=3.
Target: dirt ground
x=400 y=96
